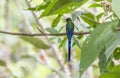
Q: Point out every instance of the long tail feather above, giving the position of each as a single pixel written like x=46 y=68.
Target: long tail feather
x=69 y=49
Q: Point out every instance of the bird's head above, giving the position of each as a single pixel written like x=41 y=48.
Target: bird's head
x=68 y=19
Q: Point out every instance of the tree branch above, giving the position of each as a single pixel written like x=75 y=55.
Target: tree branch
x=46 y=34
x=37 y=21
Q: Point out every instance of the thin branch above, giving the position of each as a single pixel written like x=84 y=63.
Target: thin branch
x=46 y=34
x=34 y=15
x=50 y=67
x=6 y=16
x=26 y=21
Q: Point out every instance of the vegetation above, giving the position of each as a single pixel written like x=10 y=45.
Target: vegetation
x=33 y=42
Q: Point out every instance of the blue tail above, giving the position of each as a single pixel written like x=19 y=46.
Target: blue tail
x=69 y=49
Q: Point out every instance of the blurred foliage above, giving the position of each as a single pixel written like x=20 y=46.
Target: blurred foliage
x=103 y=37
x=2 y=63
x=35 y=42
x=19 y=59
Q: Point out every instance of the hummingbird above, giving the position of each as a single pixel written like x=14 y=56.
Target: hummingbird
x=69 y=32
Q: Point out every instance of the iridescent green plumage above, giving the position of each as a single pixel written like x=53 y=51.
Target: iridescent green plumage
x=69 y=31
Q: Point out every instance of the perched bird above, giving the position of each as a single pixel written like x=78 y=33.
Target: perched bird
x=69 y=31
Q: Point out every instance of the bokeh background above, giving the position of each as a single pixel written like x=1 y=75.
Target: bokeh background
x=40 y=56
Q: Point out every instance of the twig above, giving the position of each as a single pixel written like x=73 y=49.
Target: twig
x=50 y=67
x=34 y=15
x=46 y=34
x=6 y=16
x=27 y=23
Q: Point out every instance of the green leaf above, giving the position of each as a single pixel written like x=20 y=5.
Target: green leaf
x=66 y=7
x=104 y=35
x=77 y=14
x=97 y=0
x=113 y=73
x=89 y=18
x=51 y=30
x=111 y=65
x=47 y=10
x=104 y=63
x=39 y=7
x=116 y=53
x=62 y=6
x=56 y=21
x=102 y=60
x=78 y=52
x=114 y=41
x=116 y=7
x=99 y=16
x=63 y=42
x=76 y=40
x=2 y=63
x=80 y=36
x=38 y=43
x=61 y=28
x=94 y=5
x=47 y=0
